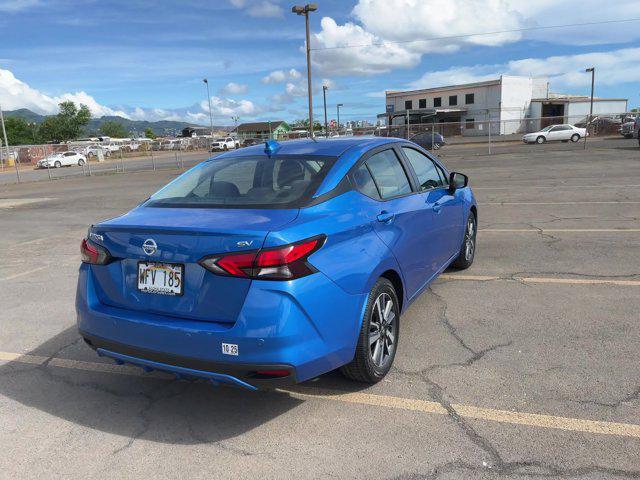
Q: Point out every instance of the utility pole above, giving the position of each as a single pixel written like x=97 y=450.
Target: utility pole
x=593 y=80
x=210 y=114
x=6 y=144
x=299 y=10
x=338 y=109
x=324 y=97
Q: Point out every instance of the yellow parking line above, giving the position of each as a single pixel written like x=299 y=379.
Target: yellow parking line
x=559 y=230
x=565 y=281
x=21 y=274
x=383 y=401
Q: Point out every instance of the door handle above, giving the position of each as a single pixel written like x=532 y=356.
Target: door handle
x=385 y=217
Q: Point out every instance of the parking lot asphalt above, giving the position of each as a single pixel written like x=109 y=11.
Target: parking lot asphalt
x=524 y=366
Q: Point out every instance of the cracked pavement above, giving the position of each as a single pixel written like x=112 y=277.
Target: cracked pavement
x=565 y=350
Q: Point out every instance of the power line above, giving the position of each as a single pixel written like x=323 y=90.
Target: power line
x=497 y=32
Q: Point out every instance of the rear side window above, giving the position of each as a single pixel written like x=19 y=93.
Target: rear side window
x=426 y=170
x=388 y=174
x=246 y=182
x=364 y=182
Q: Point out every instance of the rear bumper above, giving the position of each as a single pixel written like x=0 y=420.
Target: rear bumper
x=308 y=327
x=241 y=375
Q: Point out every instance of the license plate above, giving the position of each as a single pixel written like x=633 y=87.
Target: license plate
x=160 y=278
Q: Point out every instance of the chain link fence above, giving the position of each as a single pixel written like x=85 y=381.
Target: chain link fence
x=467 y=137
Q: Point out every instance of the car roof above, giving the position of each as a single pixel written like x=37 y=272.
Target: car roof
x=331 y=147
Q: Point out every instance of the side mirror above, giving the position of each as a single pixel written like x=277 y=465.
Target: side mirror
x=457 y=180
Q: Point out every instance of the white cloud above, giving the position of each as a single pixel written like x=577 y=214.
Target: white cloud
x=564 y=71
x=259 y=8
x=363 y=60
x=280 y=76
x=226 y=107
x=16 y=94
x=13 y=6
x=233 y=88
x=387 y=33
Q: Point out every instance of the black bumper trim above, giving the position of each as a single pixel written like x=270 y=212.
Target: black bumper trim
x=242 y=371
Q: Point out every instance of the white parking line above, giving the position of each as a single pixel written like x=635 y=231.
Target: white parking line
x=622 y=202
x=22 y=274
x=384 y=401
x=559 y=230
x=556 y=187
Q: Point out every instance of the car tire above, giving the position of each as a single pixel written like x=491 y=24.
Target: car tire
x=57 y=164
x=575 y=137
x=540 y=140
x=226 y=148
x=628 y=136
x=80 y=162
x=436 y=146
x=468 y=249
x=365 y=367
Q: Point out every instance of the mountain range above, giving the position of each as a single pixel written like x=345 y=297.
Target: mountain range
x=161 y=127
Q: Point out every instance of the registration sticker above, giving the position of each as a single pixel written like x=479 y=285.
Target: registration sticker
x=230 y=349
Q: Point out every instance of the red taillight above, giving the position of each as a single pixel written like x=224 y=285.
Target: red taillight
x=280 y=263
x=93 y=253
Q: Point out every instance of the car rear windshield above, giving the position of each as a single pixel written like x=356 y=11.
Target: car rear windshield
x=246 y=182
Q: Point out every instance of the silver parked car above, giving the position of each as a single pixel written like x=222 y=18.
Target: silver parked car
x=629 y=129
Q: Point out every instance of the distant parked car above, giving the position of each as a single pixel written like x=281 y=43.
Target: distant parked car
x=93 y=151
x=224 y=143
x=629 y=129
x=552 y=133
x=63 y=159
x=429 y=140
x=247 y=142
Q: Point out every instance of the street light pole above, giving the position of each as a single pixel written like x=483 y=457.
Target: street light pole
x=209 y=100
x=6 y=144
x=299 y=10
x=324 y=96
x=593 y=80
x=338 y=109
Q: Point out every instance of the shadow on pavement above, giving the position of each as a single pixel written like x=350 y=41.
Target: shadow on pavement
x=157 y=409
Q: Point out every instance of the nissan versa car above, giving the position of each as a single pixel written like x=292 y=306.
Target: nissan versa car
x=276 y=263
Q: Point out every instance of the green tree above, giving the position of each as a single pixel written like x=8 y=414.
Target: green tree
x=115 y=129
x=67 y=124
x=304 y=124
x=148 y=133
x=20 y=132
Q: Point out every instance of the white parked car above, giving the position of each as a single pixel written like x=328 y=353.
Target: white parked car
x=92 y=151
x=552 y=133
x=225 y=143
x=62 y=159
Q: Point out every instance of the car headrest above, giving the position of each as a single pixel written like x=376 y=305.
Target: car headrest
x=290 y=171
x=223 y=189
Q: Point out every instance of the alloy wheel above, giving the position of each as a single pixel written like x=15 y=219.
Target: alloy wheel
x=382 y=330
x=470 y=238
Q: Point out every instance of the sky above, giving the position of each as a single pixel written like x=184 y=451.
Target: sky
x=145 y=60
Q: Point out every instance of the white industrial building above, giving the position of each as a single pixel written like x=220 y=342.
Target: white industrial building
x=512 y=104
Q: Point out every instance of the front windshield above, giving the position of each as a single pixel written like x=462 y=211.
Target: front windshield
x=250 y=182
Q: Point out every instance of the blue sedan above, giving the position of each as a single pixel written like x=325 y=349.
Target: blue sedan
x=276 y=263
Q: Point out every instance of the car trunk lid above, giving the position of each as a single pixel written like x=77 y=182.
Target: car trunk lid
x=182 y=236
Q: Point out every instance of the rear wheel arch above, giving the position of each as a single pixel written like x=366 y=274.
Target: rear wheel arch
x=396 y=281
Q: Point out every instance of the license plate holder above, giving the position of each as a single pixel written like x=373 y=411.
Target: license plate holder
x=160 y=278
